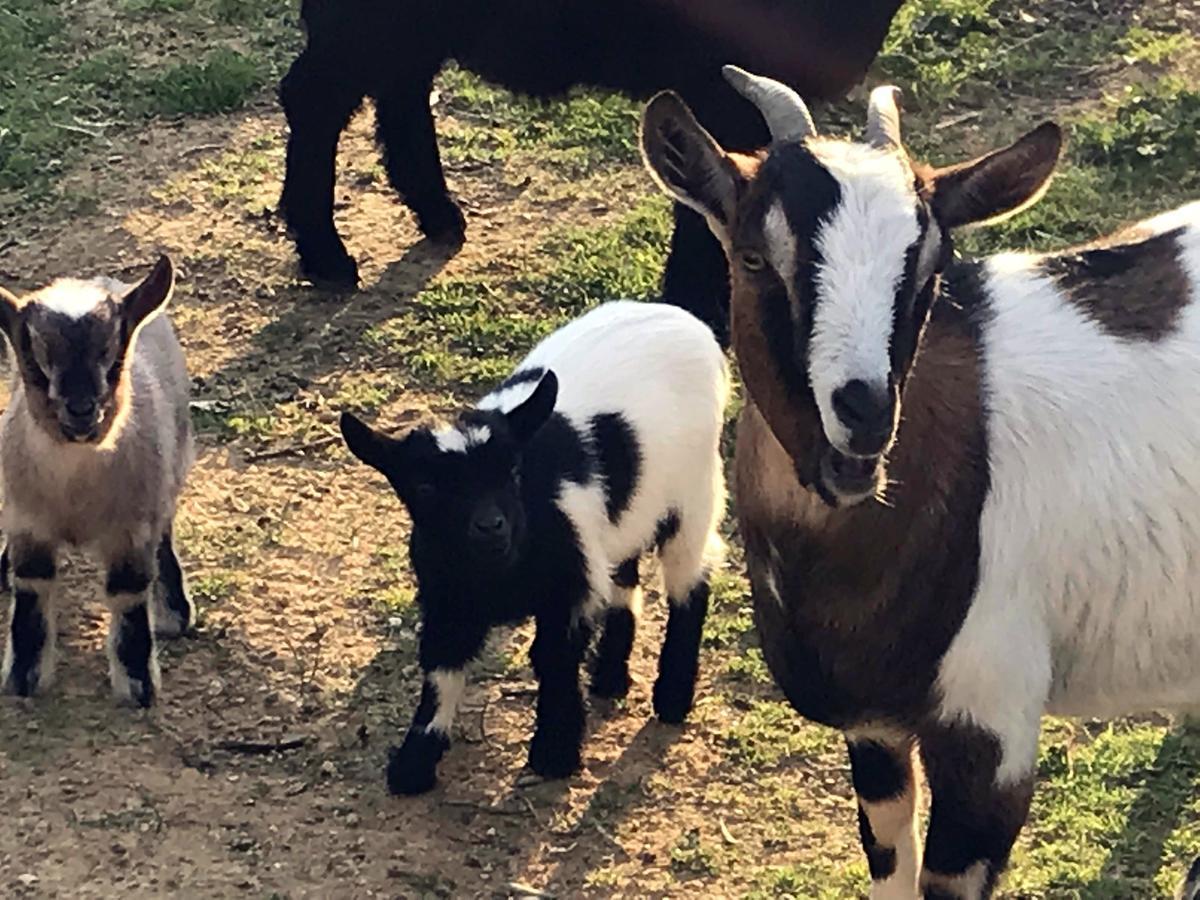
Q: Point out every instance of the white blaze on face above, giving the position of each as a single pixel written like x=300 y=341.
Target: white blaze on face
x=458 y=440
x=863 y=245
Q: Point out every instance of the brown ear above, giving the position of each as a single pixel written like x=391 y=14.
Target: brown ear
x=151 y=295
x=686 y=162
x=999 y=184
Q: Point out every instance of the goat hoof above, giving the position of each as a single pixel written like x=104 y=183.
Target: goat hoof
x=136 y=692
x=672 y=701
x=446 y=225
x=610 y=682
x=25 y=685
x=406 y=777
x=553 y=759
x=333 y=269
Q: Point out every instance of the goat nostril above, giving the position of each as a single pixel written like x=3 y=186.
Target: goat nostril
x=81 y=408
x=489 y=525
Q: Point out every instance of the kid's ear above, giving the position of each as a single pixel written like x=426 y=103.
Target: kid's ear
x=525 y=420
x=151 y=295
x=10 y=308
x=377 y=450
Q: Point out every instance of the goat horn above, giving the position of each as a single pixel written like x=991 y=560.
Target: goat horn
x=883 y=118
x=787 y=116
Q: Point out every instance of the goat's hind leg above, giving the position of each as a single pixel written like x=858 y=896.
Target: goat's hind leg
x=610 y=669
x=132 y=658
x=406 y=133
x=174 y=612
x=29 y=647
x=881 y=767
x=318 y=96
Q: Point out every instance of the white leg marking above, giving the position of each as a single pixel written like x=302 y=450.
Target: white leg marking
x=894 y=824
x=967 y=886
x=450 y=685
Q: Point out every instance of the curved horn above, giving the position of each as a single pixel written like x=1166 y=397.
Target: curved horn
x=883 y=118
x=786 y=115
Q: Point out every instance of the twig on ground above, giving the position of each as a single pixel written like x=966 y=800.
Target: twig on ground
x=261 y=748
x=483 y=808
x=294 y=449
x=525 y=890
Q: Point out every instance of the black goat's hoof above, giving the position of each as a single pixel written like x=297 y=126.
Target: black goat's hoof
x=412 y=768
x=610 y=681
x=553 y=757
x=330 y=270
x=445 y=225
x=672 y=700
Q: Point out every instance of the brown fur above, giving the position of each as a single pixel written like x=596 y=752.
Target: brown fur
x=1133 y=286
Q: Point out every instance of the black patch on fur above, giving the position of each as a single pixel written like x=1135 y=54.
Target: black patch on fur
x=679 y=661
x=5 y=579
x=619 y=459
x=880 y=860
x=936 y=893
x=667 y=528
x=971 y=819
x=524 y=376
x=170 y=575
x=28 y=636
x=412 y=767
x=877 y=774
x=36 y=565
x=610 y=670
x=135 y=647
x=626 y=574
x=127 y=577
x=1135 y=290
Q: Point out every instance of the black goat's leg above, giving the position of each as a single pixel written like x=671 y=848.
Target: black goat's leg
x=318 y=96
x=406 y=133
x=697 y=275
x=557 y=652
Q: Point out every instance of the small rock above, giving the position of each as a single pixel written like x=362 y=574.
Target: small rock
x=28 y=879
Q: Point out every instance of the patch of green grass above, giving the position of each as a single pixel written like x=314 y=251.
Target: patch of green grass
x=213 y=589
x=935 y=46
x=1155 y=47
x=223 y=81
x=691 y=857
x=730 y=622
x=575 y=135
x=809 y=881
x=152 y=8
x=770 y=731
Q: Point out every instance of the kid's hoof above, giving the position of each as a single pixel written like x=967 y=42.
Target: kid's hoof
x=406 y=777
x=553 y=759
x=332 y=269
x=672 y=701
x=446 y=225
x=610 y=681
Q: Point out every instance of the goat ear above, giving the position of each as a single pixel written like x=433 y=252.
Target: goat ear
x=999 y=184
x=151 y=295
x=687 y=163
x=369 y=445
x=531 y=415
x=10 y=308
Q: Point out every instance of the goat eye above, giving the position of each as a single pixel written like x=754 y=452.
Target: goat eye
x=753 y=262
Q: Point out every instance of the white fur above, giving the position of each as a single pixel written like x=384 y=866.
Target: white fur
x=661 y=369
x=863 y=245
x=1089 y=583
x=74 y=298
x=450 y=685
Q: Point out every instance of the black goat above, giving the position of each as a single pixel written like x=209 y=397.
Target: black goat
x=391 y=50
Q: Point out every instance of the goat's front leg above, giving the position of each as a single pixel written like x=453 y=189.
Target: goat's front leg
x=318 y=96
x=881 y=766
x=406 y=133
x=557 y=652
x=29 y=656
x=445 y=653
x=981 y=786
x=132 y=660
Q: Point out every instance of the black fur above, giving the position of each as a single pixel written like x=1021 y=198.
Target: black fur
x=391 y=50
x=679 y=661
x=127 y=577
x=5 y=579
x=29 y=633
x=531 y=375
x=170 y=575
x=412 y=767
x=36 y=564
x=619 y=459
x=135 y=648
x=610 y=671
x=877 y=774
x=667 y=528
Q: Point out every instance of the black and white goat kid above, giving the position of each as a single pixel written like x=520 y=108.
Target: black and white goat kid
x=969 y=490
x=94 y=448
x=540 y=501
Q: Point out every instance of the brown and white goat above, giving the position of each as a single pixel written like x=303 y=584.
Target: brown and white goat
x=94 y=448
x=969 y=491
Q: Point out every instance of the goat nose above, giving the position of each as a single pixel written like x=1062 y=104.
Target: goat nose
x=861 y=409
x=489 y=523
x=81 y=407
